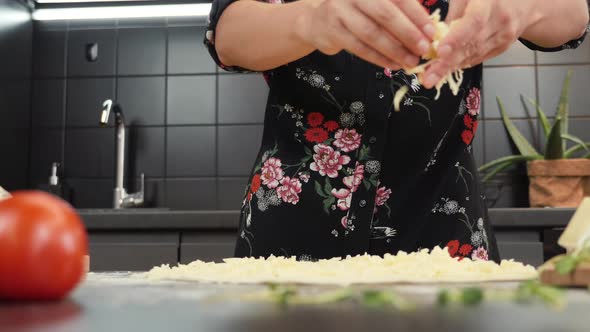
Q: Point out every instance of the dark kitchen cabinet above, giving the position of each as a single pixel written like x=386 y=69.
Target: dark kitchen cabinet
x=132 y=251
x=206 y=246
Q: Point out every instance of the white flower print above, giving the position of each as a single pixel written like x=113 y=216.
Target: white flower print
x=450 y=207
x=335 y=233
x=479 y=254
x=344 y=197
x=303 y=177
x=327 y=161
x=477 y=238
x=272 y=197
x=316 y=80
x=480 y=223
x=357 y=107
x=262 y=204
x=415 y=83
x=408 y=102
x=383 y=232
x=373 y=166
x=347 y=139
x=347 y=120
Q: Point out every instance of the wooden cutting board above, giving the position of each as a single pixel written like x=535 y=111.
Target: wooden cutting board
x=579 y=278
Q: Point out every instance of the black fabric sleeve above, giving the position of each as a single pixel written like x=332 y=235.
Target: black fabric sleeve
x=569 y=45
x=217 y=8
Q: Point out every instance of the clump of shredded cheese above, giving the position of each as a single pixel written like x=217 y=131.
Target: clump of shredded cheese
x=453 y=79
x=424 y=266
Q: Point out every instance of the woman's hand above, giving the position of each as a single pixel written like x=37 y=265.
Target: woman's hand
x=388 y=33
x=483 y=30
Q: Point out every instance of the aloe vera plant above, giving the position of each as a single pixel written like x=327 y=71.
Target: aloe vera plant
x=559 y=143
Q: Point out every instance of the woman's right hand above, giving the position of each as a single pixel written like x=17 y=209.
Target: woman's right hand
x=389 y=33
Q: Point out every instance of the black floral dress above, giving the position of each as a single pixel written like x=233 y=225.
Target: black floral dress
x=340 y=173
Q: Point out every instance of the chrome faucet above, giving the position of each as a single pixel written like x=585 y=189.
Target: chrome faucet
x=121 y=199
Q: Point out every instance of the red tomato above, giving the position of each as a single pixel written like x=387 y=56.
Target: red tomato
x=42 y=247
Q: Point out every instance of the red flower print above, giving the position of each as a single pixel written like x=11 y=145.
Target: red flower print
x=465 y=250
x=255 y=183
x=453 y=247
x=344 y=198
x=475 y=124
x=316 y=135
x=467 y=136
x=315 y=119
x=347 y=139
x=353 y=181
x=382 y=196
x=468 y=121
x=430 y=2
x=326 y=161
x=387 y=72
x=249 y=197
x=331 y=125
x=473 y=101
x=272 y=172
x=479 y=254
x=289 y=190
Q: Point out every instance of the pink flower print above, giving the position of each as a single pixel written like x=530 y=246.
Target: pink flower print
x=303 y=176
x=289 y=190
x=344 y=198
x=473 y=101
x=382 y=196
x=327 y=161
x=347 y=139
x=479 y=254
x=344 y=222
x=387 y=72
x=272 y=172
x=353 y=181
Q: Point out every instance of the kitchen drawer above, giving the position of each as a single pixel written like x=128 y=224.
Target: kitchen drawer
x=209 y=246
x=132 y=251
x=526 y=252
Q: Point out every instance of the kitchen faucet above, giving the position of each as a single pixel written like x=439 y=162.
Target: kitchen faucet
x=121 y=199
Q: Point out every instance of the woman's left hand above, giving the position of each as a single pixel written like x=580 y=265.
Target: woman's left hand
x=483 y=29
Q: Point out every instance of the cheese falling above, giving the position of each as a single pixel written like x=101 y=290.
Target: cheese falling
x=453 y=79
x=418 y=267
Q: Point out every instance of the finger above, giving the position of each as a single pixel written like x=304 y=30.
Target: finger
x=371 y=34
x=418 y=15
x=468 y=27
x=494 y=46
x=456 y=10
x=396 y=23
x=363 y=50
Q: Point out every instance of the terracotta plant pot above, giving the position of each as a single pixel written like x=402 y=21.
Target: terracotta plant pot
x=558 y=183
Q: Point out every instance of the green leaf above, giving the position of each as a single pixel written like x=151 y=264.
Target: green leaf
x=563 y=106
x=566 y=265
x=367 y=184
x=576 y=140
x=542 y=117
x=443 y=298
x=364 y=152
x=307 y=151
x=497 y=170
x=328 y=187
x=319 y=190
x=328 y=203
x=587 y=156
x=524 y=147
x=471 y=296
x=554 y=148
x=576 y=148
x=499 y=161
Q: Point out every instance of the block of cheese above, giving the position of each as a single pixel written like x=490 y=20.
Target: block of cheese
x=577 y=232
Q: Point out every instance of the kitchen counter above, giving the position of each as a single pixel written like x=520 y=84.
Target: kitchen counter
x=163 y=219
x=113 y=302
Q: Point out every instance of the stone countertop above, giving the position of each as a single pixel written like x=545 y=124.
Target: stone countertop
x=114 y=302
x=201 y=220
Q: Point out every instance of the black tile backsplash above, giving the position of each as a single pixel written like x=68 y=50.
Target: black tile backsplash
x=190 y=151
x=186 y=52
x=14 y=103
x=14 y=144
x=90 y=152
x=79 y=62
x=142 y=100
x=48 y=103
x=85 y=97
x=142 y=51
x=194 y=132
x=191 y=100
x=49 y=53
